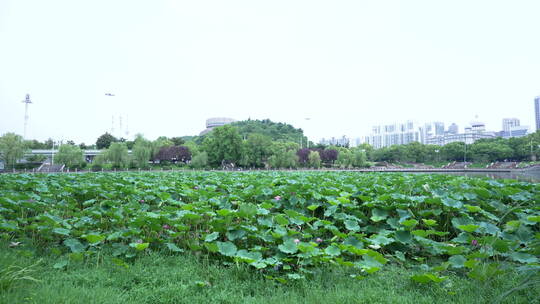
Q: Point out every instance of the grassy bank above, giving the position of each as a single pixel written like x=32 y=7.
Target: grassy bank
x=163 y=278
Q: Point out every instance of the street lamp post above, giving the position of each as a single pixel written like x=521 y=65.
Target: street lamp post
x=465 y=155
x=52 y=154
x=533 y=156
x=437 y=151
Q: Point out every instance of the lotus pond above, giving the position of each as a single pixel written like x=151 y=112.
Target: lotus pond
x=283 y=225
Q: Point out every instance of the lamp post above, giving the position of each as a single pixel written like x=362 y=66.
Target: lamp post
x=465 y=155
x=533 y=156
x=437 y=151
x=52 y=153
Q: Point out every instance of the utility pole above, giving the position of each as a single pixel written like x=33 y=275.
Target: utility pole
x=26 y=102
x=112 y=121
x=465 y=155
x=533 y=157
x=120 y=124
x=112 y=126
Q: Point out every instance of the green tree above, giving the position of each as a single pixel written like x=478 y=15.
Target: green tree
x=257 y=150
x=142 y=151
x=70 y=155
x=35 y=145
x=314 y=159
x=490 y=151
x=414 y=152
x=118 y=155
x=178 y=141
x=12 y=148
x=368 y=149
x=100 y=159
x=345 y=158
x=193 y=147
x=159 y=143
x=283 y=155
x=359 y=158
x=453 y=151
x=199 y=161
x=105 y=140
x=223 y=145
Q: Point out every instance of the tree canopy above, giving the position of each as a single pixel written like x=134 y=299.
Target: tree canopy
x=12 y=148
x=105 y=140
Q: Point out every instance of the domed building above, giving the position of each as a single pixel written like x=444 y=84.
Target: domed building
x=214 y=122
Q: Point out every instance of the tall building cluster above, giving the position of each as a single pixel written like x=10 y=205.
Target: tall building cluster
x=435 y=133
x=537 y=112
x=395 y=134
x=343 y=141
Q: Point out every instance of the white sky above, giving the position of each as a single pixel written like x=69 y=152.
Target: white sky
x=345 y=64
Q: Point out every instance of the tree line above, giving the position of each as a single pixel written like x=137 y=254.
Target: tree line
x=226 y=147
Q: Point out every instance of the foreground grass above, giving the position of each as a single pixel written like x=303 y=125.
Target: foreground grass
x=162 y=278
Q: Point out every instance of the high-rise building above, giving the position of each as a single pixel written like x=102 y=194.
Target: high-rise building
x=453 y=129
x=537 y=112
x=344 y=141
x=395 y=134
x=472 y=133
x=508 y=123
x=433 y=129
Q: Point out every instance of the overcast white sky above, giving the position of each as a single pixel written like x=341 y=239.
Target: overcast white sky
x=345 y=64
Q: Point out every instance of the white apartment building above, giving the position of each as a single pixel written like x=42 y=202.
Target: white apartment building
x=508 y=123
x=395 y=134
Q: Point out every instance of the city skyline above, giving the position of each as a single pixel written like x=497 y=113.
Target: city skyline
x=120 y=130
x=170 y=65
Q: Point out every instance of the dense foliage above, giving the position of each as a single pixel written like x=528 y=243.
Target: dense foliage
x=12 y=148
x=483 y=150
x=71 y=156
x=265 y=144
x=276 y=131
x=282 y=224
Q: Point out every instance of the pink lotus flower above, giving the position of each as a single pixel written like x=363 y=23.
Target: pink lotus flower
x=141 y=201
x=474 y=242
x=277 y=198
x=196 y=188
x=138 y=241
x=318 y=240
x=296 y=241
x=166 y=226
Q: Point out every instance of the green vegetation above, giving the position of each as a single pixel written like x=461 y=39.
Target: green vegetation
x=71 y=156
x=481 y=151
x=161 y=277
x=276 y=131
x=265 y=144
x=284 y=227
x=12 y=148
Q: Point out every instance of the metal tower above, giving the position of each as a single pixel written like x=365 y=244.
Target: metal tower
x=112 y=126
x=120 y=125
x=26 y=101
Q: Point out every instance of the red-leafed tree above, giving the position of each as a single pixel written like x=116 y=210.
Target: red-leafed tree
x=303 y=155
x=173 y=154
x=329 y=155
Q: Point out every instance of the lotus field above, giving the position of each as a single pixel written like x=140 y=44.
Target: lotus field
x=284 y=225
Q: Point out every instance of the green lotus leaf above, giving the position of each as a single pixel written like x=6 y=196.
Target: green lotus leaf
x=227 y=248
x=288 y=246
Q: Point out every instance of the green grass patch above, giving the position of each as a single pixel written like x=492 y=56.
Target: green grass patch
x=158 y=277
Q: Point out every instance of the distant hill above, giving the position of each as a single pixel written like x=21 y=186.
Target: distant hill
x=277 y=131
